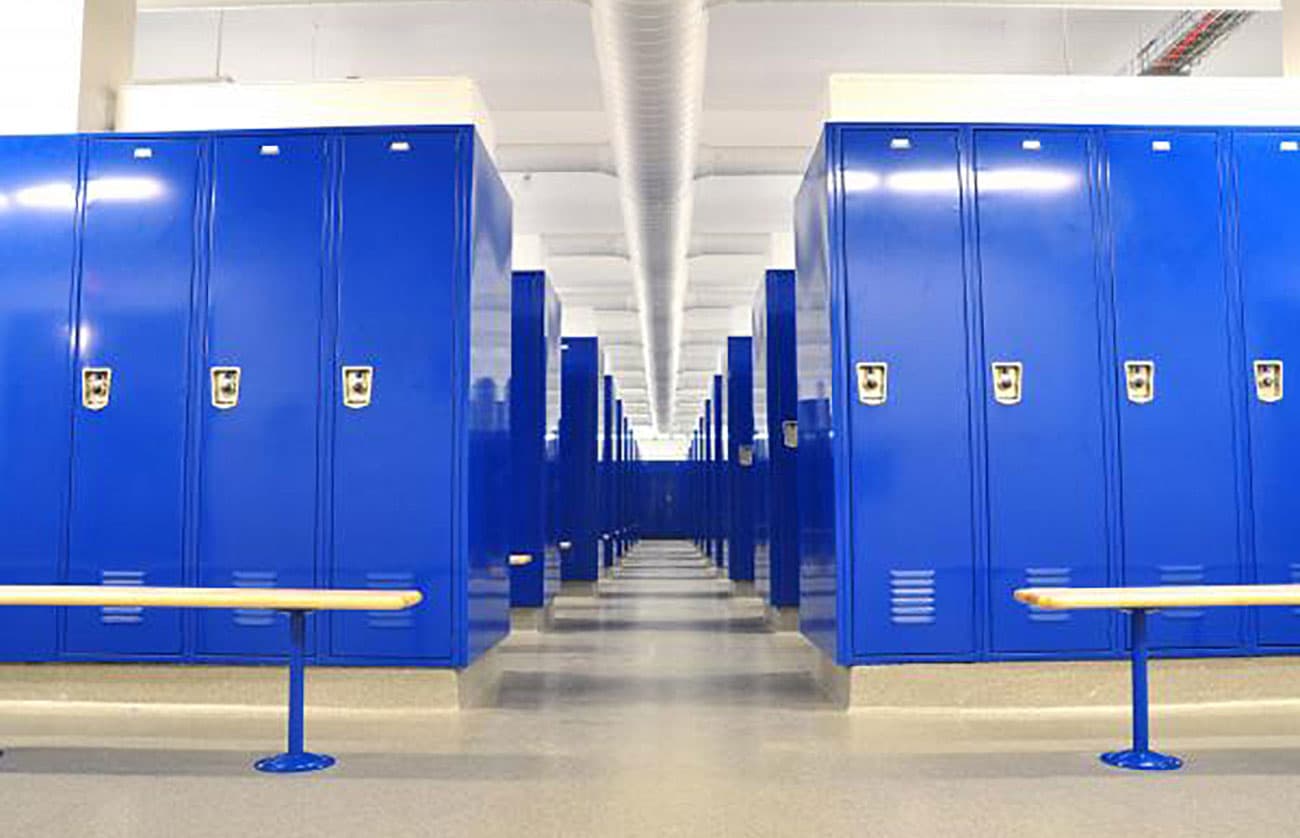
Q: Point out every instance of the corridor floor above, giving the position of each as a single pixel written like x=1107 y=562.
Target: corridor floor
x=660 y=708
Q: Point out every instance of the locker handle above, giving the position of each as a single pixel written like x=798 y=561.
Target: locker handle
x=873 y=382
x=358 y=386
x=1140 y=381
x=225 y=387
x=96 y=387
x=1268 y=381
x=1008 y=378
x=790 y=433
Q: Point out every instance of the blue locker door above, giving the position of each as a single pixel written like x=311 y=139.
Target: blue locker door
x=1046 y=446
x=128 y=483
x=1180 y=517
x=1268 y=181
x=394 y=458
x=257 y=496
x=38 y=188
x=913 y=560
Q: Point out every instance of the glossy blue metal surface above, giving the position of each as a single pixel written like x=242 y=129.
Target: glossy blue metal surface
x=485 y=435
x=1178 y=451
x=608 y=458
x=579 y=453
x=776 y=556
x=551 y=448
x=707 y=481
x=717 y=473
x=1267 y=179
x=911 y=481
x=140 y=241
x=38 y=188
x=1039 y=269
x=534 y=412
x=258 y=500
x=739 y=473
x=618 y=473
x=823 y=376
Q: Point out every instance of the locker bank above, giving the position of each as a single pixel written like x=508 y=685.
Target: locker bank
x=260 y=359
x=1042 y=356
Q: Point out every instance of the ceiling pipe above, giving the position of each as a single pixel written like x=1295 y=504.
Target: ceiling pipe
x=651 y=56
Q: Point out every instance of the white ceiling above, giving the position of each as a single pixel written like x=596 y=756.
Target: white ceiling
x=767 y=65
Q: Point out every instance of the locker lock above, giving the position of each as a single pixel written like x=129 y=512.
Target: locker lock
x=873 y=382
x=1140 y=379
x=745 y=456
x=790 y=433
x=1268 y=381
x=358 y=385
x=96 y=384
x=225 y=387
x=1007 y=378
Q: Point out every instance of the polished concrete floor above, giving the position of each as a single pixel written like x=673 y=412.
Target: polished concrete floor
x=661 y=708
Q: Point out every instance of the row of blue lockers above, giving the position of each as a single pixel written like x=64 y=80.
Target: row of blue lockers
x=261 y=359
x=1025 y=356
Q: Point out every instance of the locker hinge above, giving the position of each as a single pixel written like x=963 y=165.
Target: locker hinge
x=873 y=382
x=1268 y=381
x=1007 y=381
x=225 y=387
x=358 y=386
x=1140 y=380
x=96 y=385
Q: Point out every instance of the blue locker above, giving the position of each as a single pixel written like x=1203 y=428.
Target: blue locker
x=717 y=474
x=910 y=485
x=579 y=459
x=38 y=189
x=1039 y=268
x=710 y=499
x=534 y=417
x=1268 y=176
x=257 y=522
x=608 y=458
x=1171 y=310
x=776 y=440
x=393 y=507
x=139 y=259
x=740 y=458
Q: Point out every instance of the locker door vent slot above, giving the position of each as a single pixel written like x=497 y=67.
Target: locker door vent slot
x=121 y=615
x=790 y=434
x=96 y=387
x=873 y=382
x=1140 y=381
x=745 y=456
x=389 y=581
x=1182 y=574
x=1047 y=577
x=225 y=387
x=1007 y=381
x=358 y=386
x=911 y=597
x=1268 y=381
x=254 y=617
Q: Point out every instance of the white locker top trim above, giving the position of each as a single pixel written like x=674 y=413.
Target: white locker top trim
x=1063 y=100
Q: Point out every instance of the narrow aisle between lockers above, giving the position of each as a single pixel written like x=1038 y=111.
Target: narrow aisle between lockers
x=664 y=630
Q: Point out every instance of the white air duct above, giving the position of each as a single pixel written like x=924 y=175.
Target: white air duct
x=652 y=67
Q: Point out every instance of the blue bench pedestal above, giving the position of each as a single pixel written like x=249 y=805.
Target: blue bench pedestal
x=1140 y=757
x=295 y=760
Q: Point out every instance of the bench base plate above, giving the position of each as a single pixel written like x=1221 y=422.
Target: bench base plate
x=294 y=763
x=1142 y=760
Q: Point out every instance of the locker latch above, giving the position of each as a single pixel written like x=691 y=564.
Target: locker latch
x=1268 y=381
x=873 y=382
x=358 y=385
x=745 y=456
x=1007 y=378
x=96 y=384
x=1140 y=379
x=790 y=433
x=225 y=387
